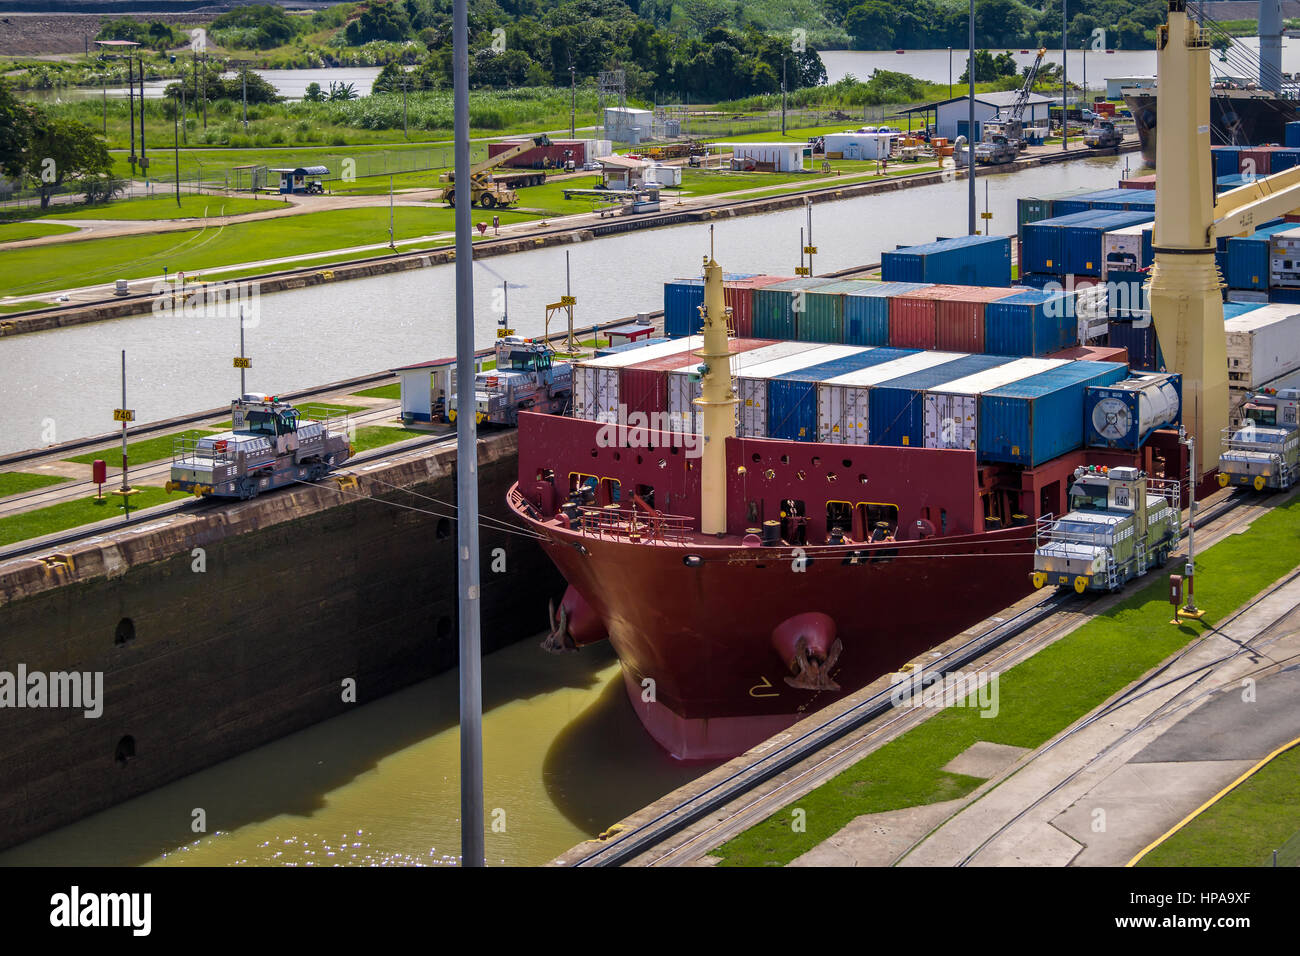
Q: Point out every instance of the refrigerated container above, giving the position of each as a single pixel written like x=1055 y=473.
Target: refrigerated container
x=951 y=409
x=1082 y=242
x=751 y=384
x=596 y=381
x=1263 y=344
x=644 y=387
x=1127 y=249
x=843 y=403
x=684 y=385
x=897 y=407
x=1039 y=418
x=792 y=396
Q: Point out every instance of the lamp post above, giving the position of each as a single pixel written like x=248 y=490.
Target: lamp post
x=970 y=126
x=783 y=59
x=573 y=103
x=949 y=72
x=1065 y=84
x=176 y=150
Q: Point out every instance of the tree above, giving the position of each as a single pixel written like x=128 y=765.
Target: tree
x=314 y=94
x=63 y=152
x=15 y=133
x=988 y=67
x=342 y=91
x=383 y=21
x=871 y=24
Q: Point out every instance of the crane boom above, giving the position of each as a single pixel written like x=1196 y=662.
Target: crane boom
x=1238 y=211
x=503 y=157
x=1022 y=98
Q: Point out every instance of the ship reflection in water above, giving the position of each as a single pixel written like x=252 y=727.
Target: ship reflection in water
x=565 y=757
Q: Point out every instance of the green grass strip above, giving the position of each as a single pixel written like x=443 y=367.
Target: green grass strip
x=139 y=452
x=16 y=482
x=1037 y=698
x=1246 y=826
x=393 y=391
x=74 y=514
x=376 y=436
x=18 y=231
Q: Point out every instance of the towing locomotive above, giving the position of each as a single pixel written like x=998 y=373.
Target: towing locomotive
x=1264 y=451
x=1120 y=524
x=269 y=445
x=525 y=379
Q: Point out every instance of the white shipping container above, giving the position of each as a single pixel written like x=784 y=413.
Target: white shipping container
x=1122 y=249
x=593 y=388
x=951 y=409
x=1263 y=345
x=1091 y=307
x=1284 y=259
x=751 y=384
x=683 y=413
x=842 y=402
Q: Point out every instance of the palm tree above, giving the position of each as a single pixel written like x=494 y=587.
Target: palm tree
x=342 y=91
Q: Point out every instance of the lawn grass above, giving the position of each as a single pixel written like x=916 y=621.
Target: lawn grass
x=1245 y=826
x=72 y=514
x=139 y=452
x=15 y=482
x=18 y=231
x=94 y=261
x=1037 y=698
x=376 y=436
x=164 y=207
x=393 y=391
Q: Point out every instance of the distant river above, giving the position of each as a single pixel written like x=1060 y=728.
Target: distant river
x=288 y=83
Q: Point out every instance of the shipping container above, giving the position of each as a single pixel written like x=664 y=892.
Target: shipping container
x=643 y=387
x=1127 y=248
x=1284 y=257
x=596 y=381
x=959 y=319
x=1093 y=353
x=866 y=310
x=1233 y=309
x=751 y=383
x=1263 y=345
x=1124 y=415
x=1107 y=199
x=1283 y=159
x=627 y=346
x=1138 y=338
x=951 y=409
x=843 y=402
x=1082 y=242
x=912 y=316
x=1127 y=294
x=739 y=296
x=775 y=316
x=1031 y=322
x=1255 y=161
x=683 y=298
x=1248 y=257
x=1139 y=182
x=555 y=155
x=1293 y=134
x=1033 y=209
x=896 y=407
x=683 y=384
x=1043 y=248
x=1226 y=159
x=792 y=397
x=961 y=260
x=1040 y=418
x=821 y=318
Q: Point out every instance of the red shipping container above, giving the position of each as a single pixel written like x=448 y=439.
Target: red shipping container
x=739 y=297
x=1254 y=161
x=1093 y=353
x=913 y=316
x=644 y=387
x=559 y=153
x=1139 y=182
x=959 y=319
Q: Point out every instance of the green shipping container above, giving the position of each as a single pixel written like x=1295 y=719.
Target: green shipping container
x=822 y=317
x=775 y=307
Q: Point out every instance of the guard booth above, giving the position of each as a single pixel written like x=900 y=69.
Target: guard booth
x=302 y=179
x=427 y=386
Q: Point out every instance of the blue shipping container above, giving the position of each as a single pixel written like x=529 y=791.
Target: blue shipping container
x=1227 y=160
x=1043 y=249
x=1030 y=323
x=1126 y=299
x=682 y=301
x=1293 y=133
x=1248 y=257
x=1041 y=417
x=866 y=311
x=1283 y=159
x=896 y=408
x=962 y=260
x=792 y=397
x=1233 y=309
x=1082 y=246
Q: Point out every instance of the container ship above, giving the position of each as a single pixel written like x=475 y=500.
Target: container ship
x=813 y=481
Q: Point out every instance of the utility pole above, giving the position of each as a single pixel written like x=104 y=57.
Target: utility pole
x=810 y=248
x=184 y=113
x=573 y=103
x=103 y=85
x=392 y=239
x=949 y=72
x=130 y=99
x=471 y=684
x=242 y=361
x=176 y=153
x=405 y=83
x=783 y=59
x=1190 y=609
x=970 y=126
x=144 y=163
x=1065 y=84
x=124 y=415
x=243 y=75
x=203 y=90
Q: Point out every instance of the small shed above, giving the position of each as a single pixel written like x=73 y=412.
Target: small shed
x=426 y=386
x=626 y=125
x=859 y=144
x=620 y=172
x=301 y=179
x=631 y=332
x=766 y=157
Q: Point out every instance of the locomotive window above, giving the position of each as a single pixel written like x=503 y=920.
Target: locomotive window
x=261 y=423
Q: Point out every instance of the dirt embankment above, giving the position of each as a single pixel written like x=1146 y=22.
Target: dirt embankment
x=34 y=34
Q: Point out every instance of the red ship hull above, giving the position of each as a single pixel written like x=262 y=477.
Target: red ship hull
x=725 y=640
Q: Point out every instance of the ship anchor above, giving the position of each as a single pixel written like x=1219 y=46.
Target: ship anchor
x=559 y=640
x=812 y=673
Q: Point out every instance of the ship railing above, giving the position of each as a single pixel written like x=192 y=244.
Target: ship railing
x=614 y=522
x=1171 y=489
x=187 y=453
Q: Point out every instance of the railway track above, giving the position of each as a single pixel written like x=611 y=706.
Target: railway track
x=672 y=837
x=52 y=543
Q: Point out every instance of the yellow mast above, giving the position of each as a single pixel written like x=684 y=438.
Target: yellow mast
x=1186 y=302
x=717 y=403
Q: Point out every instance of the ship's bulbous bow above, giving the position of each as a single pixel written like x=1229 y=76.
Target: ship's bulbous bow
x=809 y=648
x=575 y=625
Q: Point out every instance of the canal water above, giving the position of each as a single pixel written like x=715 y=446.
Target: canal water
x=291 y=84
x=63 y=384
x=564 y=758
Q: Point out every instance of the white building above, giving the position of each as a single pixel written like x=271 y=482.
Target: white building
x=620 y=172
x=1115 y=85
x=952 y=116
x=858 y=145
x=766 y=157
x=626 y=125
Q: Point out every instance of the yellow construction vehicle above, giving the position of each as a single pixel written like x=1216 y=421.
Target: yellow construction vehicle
x=483 y=190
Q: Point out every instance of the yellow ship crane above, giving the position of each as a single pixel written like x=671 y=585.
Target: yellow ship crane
x=1186 y=297
x=717 y=403
x=483 y=191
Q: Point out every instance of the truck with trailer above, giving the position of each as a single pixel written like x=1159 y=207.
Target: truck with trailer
x=1120 y=524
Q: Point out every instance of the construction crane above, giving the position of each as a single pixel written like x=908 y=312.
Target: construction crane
x=483 y=190
x=1012 y=128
